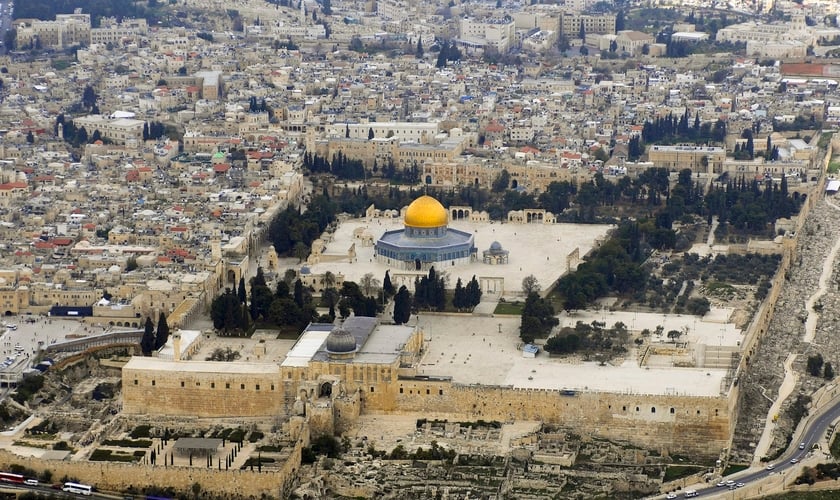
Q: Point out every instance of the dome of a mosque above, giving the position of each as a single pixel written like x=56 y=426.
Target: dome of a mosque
x=340 y=341
x=426 y=211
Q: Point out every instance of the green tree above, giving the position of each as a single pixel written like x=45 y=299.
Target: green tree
x=815 y=364
x=147 y=341
x=162 y=332
x=88 y=97
x=10 y=39
x=298 y=293
x=582 y=31
x=459 y=297
x=441 y=59
x=387 y=286
x=371 y=135
x=530 y=285
x=828 y=371
x=402 y=306
x=501 y=182
x=419 y=51
x=473 y=293
x=619 y=21
x=241 y=292
x=537 y=318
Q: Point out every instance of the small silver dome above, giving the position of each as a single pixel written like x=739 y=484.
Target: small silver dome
x=340 y=341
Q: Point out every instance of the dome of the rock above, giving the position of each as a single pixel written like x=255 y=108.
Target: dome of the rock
x=425 y=211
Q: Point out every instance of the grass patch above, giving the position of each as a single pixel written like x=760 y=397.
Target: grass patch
x=677 y=471
x=834 y=167
x=236 y=435
x=269 y=448
x=734 y=468
x=30 y=444
x=512 y=308
x=806 y=495
x=100 y=455
x=128 y=443
x=719 y=288
x=825 y=138
x=835 y=446
x=141 y=431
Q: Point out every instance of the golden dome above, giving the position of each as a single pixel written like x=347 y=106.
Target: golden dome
x=426 y=211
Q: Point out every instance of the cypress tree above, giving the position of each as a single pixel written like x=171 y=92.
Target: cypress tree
x=240 y=291
x=147 y=342
x=162 y=332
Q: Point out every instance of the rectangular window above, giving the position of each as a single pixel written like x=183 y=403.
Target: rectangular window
x=258 y=386
x=135 y=382
x=440 y=392
x=371 y=389
x=401 y=390
x=182 y=383
x=227 y=385
x=153 y=382
x=272 y=387
x=212 y=385
x=242 y=386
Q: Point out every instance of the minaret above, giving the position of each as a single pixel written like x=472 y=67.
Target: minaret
x=176 y=346
x=216 y=246
x=302 y=13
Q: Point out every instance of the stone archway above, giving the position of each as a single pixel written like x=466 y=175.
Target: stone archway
x=514 y=184
x=325 y=390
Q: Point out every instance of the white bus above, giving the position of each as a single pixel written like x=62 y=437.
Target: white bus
x=82 y=489
x=691 y=493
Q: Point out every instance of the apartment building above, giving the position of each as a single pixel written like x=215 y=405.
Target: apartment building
x=478 y=34
x=592 y=23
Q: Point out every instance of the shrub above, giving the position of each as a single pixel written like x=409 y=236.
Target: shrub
x=141 y=431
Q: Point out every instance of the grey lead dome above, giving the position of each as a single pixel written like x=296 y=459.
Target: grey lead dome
x=340 y=341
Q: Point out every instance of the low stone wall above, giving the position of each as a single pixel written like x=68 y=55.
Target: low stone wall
x=117 y=477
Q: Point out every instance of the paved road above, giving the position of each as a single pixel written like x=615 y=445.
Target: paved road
x=812 y=433
x=54 y=492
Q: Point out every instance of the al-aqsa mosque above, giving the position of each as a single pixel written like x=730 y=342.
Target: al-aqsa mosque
x=426 y=240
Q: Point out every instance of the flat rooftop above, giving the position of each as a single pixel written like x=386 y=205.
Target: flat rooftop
x=551 y=242
x=220 y=367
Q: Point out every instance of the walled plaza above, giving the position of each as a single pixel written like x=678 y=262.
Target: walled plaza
x=535 y=248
